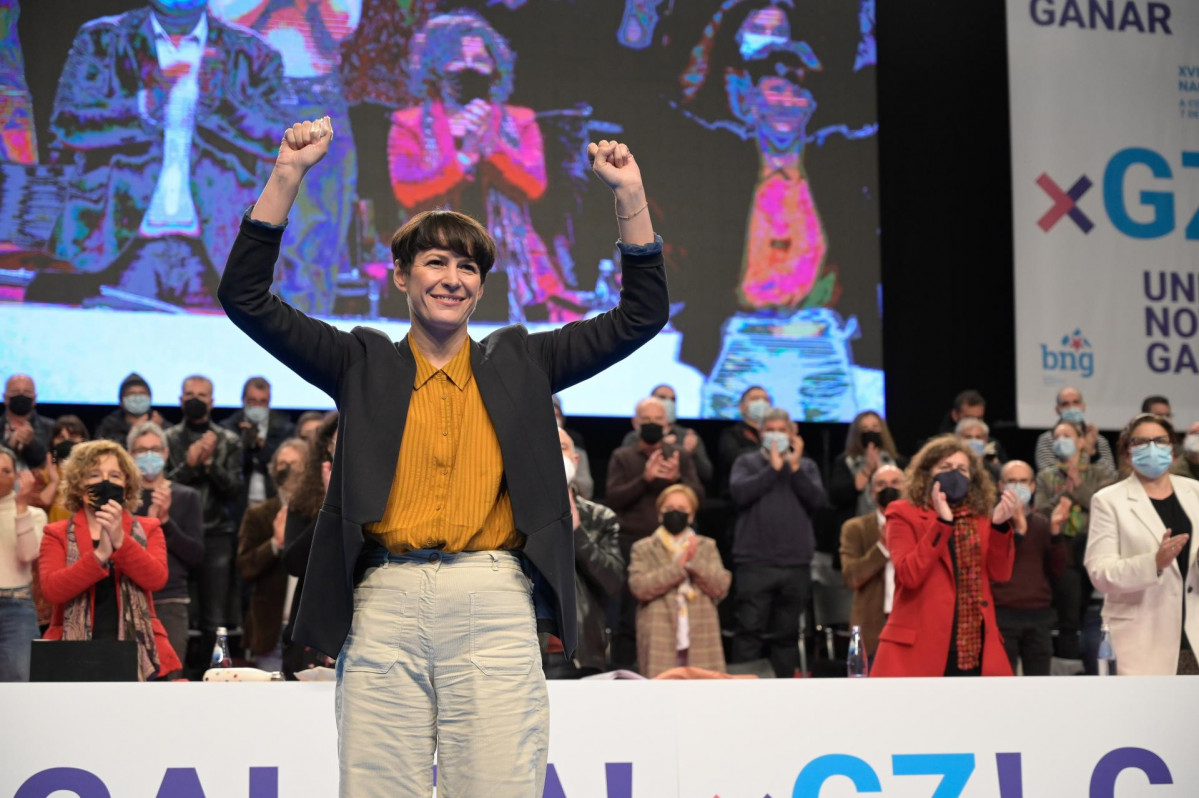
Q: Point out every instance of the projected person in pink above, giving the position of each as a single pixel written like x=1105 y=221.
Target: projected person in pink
x=464 y=148
x=18 y=141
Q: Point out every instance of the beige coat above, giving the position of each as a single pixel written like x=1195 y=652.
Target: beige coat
x=654 y=578
x=863 y=565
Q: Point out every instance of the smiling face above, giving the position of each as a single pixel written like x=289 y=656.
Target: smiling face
x=443 y=289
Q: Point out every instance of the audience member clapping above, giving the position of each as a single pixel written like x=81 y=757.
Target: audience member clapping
x=742 y=436
x=261 y=430
x=777 y=490
x=67 y=432
x=868 y=446
x=677 y=578
x=975 y=433
x=134 y=398
x=949 y=540
x=679 y=435
x=24 y=432
x=866 y=560
x=1140 y=554
x=1071 y=408
x=180 y=511
x=100 y=567
x=1024 y=604
x=21 y=526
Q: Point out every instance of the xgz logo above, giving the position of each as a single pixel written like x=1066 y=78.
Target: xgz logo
x=1133 y=163
x=1074 y=355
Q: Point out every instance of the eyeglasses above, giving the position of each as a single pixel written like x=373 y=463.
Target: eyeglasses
x=1161 y=440
x=144 y=450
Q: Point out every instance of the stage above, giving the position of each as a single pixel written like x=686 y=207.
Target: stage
x=1001 y=738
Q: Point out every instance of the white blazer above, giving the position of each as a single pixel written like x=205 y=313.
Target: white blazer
x=1144 y=610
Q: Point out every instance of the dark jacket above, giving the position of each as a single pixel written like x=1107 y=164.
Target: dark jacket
x=219 y=483
x=297 y=543
x=703 y=463
x=184 y=534
x=255 y=459
x=116 y=428
x=774 y=516
x=1041 y=558
x=370 y=378
x=107 y=123
x=34 y=453
x=261 y=567
x=599 y=576
x=634 y=499
x=735 y=441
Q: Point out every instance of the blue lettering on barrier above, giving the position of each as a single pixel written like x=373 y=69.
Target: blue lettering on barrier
x=1103 y=779
x=955 y=768
x=823 y=768
x=1162 y=202
x=83 y=783
x=618 y=775
x=1011 y=775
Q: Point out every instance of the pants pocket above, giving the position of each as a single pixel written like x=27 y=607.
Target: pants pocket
x=503 y=637
x=376 y=631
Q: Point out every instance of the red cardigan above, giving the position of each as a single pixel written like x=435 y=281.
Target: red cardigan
x=915 y=640
x=146 y=567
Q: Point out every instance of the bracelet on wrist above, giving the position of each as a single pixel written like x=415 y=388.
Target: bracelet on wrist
x=634 y=213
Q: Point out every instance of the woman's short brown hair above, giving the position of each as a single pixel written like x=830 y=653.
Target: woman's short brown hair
x=450 y=230
x=980 y=496
x=683 y=489
x=84 y=458
x=72 y=425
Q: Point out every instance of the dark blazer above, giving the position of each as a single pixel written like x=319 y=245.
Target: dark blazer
x=184 y=535
x=370 y=378
x=278 y=429
x=863 y=565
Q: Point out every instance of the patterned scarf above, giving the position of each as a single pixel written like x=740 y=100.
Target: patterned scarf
x=968 y=548
x=686 y=591
x=1057 y=486
x=135 y=610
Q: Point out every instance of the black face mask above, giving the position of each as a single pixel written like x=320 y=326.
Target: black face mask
x=467 y=85
x=103 y=492
x=675 y=521
x=954 y=484
x=20 y=405
x=886 y=496
x=651 y=433
x=282 y=474
x=195 y=409
x=63 y=450
x=872 y=437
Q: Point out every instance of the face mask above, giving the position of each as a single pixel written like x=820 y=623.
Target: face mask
x=150 y=464
x=282 y=475
x=1190 y=444
x=776 y=441
x=1064 y=448
x=467 y=85
x=136 y=404
x=872 y=437
x=675 y=521
x=569 y=465
x=670 y=410
x=755 y=411
x=256 y=414
x=1074 y=415
x=20 y=405
x=1022 y=491
x=195 y=409
x=63 y=450
x=979 y=447
x=954 y=484
x=1152 y=460
x=103 y=492
x=885 y=497
x=651 y=433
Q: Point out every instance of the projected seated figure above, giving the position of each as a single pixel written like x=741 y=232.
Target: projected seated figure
x=464 y=148
x=165 y=114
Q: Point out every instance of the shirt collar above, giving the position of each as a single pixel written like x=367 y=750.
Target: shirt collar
x=199 y=33
x=458 y=370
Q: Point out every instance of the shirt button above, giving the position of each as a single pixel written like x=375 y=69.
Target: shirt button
x=445 y=471
x=446 y=432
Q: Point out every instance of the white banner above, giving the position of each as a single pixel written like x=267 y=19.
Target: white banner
x=1004 y=738
x=1105 y=189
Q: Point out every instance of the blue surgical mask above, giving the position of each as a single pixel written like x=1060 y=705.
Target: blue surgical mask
x=776 y=441
x=1074 y=415
x=1152 y=460
x=1022 y=491
x=1064 y=448
x=979 y=447
x=670 y=410
x=136 y=404
x=755 y=411
x=256 y=414
x=150 y=464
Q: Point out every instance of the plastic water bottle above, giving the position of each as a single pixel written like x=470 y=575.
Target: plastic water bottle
x=857 y=664
x=220 y=650
x=1107 y=654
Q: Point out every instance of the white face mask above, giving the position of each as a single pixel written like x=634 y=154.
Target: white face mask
x=569 y=463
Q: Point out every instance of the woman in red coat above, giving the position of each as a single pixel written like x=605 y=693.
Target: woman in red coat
x=948 y=541
x=101 y=567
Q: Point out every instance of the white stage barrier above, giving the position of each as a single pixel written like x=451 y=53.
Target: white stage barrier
x=1009 y=738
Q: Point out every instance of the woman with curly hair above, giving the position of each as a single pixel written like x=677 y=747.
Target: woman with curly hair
x=948 y=541
x=100 y=567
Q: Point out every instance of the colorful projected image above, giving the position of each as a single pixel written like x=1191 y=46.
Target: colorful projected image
x=131 y=152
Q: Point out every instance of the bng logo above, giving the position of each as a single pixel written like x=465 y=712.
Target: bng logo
x=1074 y=355
x=1153 y=214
